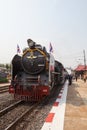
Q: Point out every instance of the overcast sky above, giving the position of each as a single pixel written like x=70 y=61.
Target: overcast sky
x=61 y=22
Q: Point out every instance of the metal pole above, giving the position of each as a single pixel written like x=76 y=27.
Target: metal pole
x=84 y=60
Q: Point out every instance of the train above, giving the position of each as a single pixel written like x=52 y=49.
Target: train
x=35 y=73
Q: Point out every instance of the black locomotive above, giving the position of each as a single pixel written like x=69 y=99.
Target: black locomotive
x=35 y=73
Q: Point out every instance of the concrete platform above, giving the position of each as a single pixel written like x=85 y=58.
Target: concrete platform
x=76 y=107
x=4 y=84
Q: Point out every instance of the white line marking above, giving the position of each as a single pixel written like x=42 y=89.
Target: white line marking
x=58 y=121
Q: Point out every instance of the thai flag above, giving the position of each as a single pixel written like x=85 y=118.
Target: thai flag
x=18 y=49
x=51 y=48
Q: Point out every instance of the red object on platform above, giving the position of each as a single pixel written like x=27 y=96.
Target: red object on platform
x=50 y=117
x=56 y=104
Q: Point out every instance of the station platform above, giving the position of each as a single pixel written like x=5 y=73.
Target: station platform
x=70 y=111
x=76 y=106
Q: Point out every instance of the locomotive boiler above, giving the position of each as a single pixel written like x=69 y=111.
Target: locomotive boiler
x=35 y=73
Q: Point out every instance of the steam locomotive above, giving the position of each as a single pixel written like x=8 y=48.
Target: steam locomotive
x=35 y=73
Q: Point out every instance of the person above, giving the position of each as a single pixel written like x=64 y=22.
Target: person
x=76 y=77
x=70 y=79
x=84 y=77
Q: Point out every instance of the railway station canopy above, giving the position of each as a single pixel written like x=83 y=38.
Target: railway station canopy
x=81 y=68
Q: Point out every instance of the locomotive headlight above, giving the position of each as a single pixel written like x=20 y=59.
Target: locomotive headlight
x=31 y=43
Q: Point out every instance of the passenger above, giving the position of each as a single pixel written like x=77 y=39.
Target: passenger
x=76 y=77
x=84 y=77
x=70 y=79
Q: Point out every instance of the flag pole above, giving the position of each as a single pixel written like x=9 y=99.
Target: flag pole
x=18 y=49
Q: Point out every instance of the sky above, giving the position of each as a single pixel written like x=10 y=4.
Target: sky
x=63 y=23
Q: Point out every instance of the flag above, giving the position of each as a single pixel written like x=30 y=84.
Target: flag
x=51 y=48
x=18 y=49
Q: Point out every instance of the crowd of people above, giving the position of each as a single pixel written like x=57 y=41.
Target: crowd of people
x=83 y=77
x=70 y=77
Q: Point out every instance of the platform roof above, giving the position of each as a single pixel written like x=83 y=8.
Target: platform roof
x=81 y=68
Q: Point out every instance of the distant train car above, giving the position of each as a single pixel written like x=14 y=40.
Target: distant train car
x=35 y=73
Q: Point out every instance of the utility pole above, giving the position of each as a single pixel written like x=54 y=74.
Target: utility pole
x=84 y=60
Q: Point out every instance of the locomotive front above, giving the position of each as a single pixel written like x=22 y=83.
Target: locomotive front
x=30 y=73
x=33 y=59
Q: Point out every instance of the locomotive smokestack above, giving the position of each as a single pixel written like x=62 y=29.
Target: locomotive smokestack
x=31 y=44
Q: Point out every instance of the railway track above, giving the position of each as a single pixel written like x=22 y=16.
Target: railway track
x=11 y=115
x=7 y=109
x=28 y=122
x=28 y=111
x=11 y=123
x=4 y=89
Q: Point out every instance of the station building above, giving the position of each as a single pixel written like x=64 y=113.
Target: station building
x=81 y=70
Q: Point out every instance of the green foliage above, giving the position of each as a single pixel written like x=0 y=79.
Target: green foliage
x=7 y=66
x=2 y=65
x=3 y=80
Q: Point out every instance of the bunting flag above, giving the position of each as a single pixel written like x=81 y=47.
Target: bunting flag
x=51 y=49
x=18 y=49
